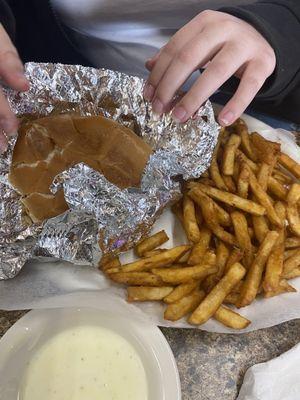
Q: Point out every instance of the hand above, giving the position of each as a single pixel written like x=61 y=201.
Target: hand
x=222 y=44
x=12 y=74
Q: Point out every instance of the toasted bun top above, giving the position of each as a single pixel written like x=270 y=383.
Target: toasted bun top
x=50 y=145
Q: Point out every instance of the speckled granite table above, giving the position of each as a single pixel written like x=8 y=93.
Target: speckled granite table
x=212 y=366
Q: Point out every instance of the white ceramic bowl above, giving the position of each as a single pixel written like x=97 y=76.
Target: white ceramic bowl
x=24 y=338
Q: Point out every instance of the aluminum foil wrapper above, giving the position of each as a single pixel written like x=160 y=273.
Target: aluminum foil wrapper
x=101 y=217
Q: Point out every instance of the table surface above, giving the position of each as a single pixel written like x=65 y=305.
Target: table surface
x=212 y=365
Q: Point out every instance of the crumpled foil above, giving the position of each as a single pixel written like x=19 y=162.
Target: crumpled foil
x=102 y=217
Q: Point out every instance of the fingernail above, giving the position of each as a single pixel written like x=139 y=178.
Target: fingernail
x=179 y=114
x=157 y=106
x=9 y=126
x=227 y=118
x=148 y=91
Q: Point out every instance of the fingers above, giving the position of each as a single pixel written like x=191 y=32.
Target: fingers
x=251 y=82
x=219 y=70
x=166 y=55
x=11 y=67
x=194 y=55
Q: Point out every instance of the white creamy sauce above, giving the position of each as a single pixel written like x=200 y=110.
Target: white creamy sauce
x=85 y=363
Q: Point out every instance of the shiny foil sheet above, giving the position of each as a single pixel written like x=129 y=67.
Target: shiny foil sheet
x=101 y=218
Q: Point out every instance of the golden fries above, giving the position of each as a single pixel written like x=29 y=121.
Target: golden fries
x=246 y=205
x=254 y=275
x=189 y=220
x=153 y=252
x=229 y=154
x=210 y=217
x=293 y=213
x=292 y=262
x=150 y=243
x=291 y=165
x=215 y=172
x=163 y=259
x=230 y=318
x=243 y=182
x=146 y=293
x=181 y=291
x=235 y=256
x=215 y=298
x=107 y=262
x=242 y=234
x=242 y=218
x=292 y=242
x=283 y=287
x=264 y=199
x=137 y=279
x=182 y=307
x=200 y=248
x=180 y=275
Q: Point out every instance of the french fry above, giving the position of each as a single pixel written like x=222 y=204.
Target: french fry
x=209 y=215
x=291 y=165
x=235 y=256
x=282 y=176
x=137 y=279
x=216 y=296
x=283 y=287
x=242 y=158
x=181 y=291
x=288 y=253
x=184 y=259
x=182 y=307
x=274 y=265
x=151 y=242
x=228 y=198
x=276 y=188
x=253 y=278
x=266 y=151
x=229 y=154
x=222 y=254
x=236 y=172
x=242 y=234
x=107 y=262
x=222 y=215
x=260 y=227
x=243 y=182
x=292 y=242
x=232 y=298
x=214 y=170
x=292 y=274
x=292 y=262
x=230 y=318
x=177 y=210
x=292 y=210
x=247 y=146
x=264 y=199
x=177 y=276
x=200 y=248
x=154 y=252
x=199 y=217
x=229 y=183
x=189 y=220
x=146 y=293
x=251 y=232
x=164 y=259
x=263 y=175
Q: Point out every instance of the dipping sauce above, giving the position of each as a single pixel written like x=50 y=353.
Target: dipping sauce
x=85 y=363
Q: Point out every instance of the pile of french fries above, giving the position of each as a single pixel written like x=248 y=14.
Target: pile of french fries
x=242 y=219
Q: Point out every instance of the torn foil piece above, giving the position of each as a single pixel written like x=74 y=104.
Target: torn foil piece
x=100 y=213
